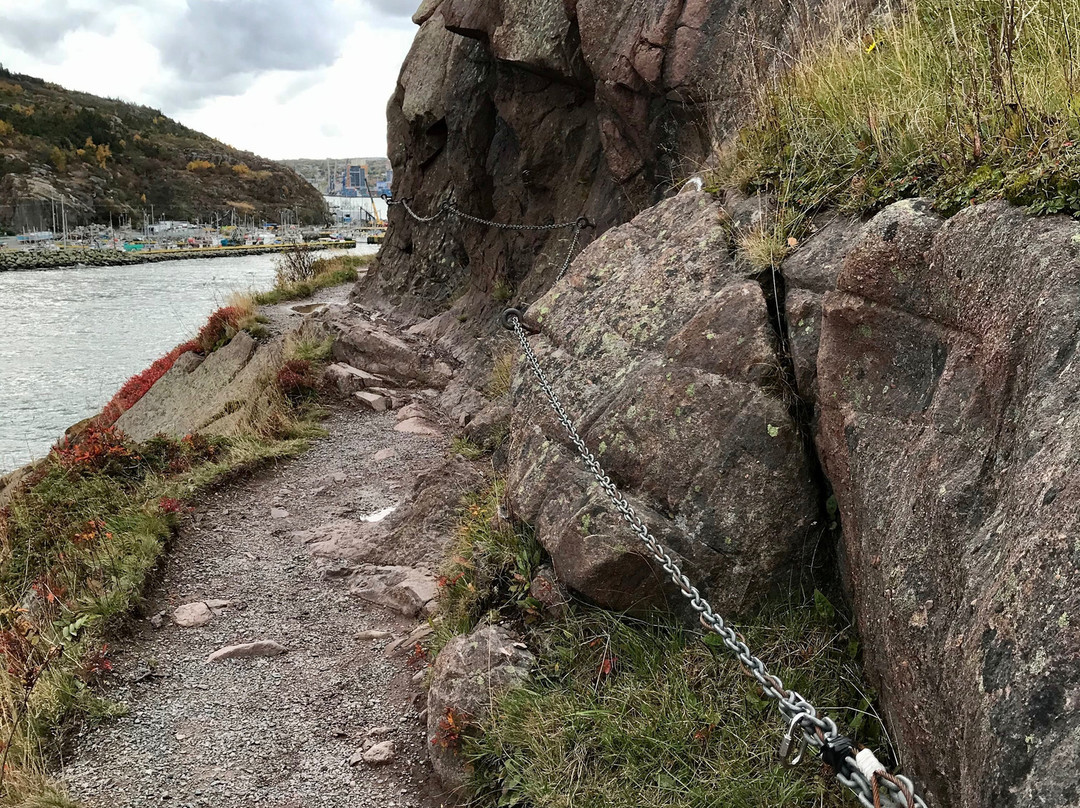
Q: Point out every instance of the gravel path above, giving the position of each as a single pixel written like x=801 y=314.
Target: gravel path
x=275 y=731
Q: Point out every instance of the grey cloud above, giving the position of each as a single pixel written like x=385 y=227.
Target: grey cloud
x=218 y=46
x=394 y=8
x=390 y=13
x=39 y=31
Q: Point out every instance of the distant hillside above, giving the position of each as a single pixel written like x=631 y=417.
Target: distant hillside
x=314 y=169
x=110 y=158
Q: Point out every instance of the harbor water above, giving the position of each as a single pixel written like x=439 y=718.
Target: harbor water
x=72 y=337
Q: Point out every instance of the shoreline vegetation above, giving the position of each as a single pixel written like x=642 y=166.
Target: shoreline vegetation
x=64 y=258
x=300 y=275
x=82 y=531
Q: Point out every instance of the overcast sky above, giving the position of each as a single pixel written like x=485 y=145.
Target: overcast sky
x=282 y=78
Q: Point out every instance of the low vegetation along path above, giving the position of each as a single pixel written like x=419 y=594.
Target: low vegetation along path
x=287 y=730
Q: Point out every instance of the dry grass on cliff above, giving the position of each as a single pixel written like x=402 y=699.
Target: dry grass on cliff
x=963 y=100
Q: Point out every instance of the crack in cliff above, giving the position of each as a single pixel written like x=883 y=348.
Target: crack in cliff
x=773 y=286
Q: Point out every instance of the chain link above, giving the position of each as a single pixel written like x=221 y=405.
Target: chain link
x=817 y=731
x=570 y=252
x=449 y=208
x=442 y=211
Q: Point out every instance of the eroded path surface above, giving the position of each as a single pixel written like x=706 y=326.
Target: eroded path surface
x=280 y=730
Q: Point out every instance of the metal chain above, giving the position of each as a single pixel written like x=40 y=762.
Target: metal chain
x=505 y=226
x=570 y=252
x=442 y=211
x=817 y=731
x=449 y=208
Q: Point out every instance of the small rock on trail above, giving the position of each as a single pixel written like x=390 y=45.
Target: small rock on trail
x=248 y=650
x=193 y=615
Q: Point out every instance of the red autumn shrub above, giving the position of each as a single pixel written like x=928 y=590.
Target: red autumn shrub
x=97 y=449
x=170 y=505
x=219 y=329
x=296 y=378
x=451 y=728
x=95 y=664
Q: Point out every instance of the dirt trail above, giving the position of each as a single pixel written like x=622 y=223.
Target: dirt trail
x=275 y=731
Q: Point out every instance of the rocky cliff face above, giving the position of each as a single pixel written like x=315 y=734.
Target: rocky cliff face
x=548 y=110
x=921 y=370
x=664 y=350
x=939 y=358
x=947 y=387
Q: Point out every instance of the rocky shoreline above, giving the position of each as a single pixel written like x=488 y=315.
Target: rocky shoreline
x=18 y=260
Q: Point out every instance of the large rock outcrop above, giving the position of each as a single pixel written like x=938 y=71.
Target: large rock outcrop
x=665 y=356
x=547 y=110
x=948 y=385
x=226 y=393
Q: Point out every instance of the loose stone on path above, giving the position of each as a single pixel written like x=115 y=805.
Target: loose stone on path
x=192 y=615
x=260 y=648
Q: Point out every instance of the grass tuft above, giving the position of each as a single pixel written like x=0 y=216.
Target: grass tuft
x=648 y=714
x=961 y=100
x=488 y=568
x=310 y=350
x=324 y=273
x=502 y=373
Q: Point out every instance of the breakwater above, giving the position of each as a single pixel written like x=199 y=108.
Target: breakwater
x=13 y=260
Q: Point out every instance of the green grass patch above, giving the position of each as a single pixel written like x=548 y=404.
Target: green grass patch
x=310 y=350
x=466 y=448
x=488 y=568
x=627 y=713
x=961 y=100
x=324 y=273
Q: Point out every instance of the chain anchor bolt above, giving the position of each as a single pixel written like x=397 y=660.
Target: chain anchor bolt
x=508 y=317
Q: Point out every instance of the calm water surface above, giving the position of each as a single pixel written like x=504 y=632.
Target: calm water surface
x=71 y=337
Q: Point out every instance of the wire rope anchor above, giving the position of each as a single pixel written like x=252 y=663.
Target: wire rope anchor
x=794 y=740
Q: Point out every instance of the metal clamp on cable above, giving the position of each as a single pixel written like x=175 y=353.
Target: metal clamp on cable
x=793 y=741
x=583 y=222
x=837 y=752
